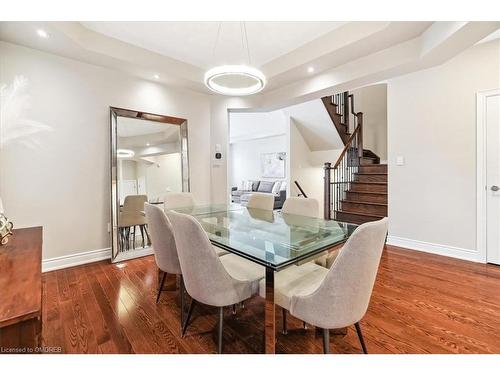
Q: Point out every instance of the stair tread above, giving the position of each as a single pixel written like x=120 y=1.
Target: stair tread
x=369 y=182
x=371 y=173
x=363 y=202
x=358 y=213
x=366 y=192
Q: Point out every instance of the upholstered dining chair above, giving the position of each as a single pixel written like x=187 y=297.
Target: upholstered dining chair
x=337 y=297
x=262 y=201
x=178 y=200
x=163 y=243
x=301 y=206
x=132 y=216
x=209 y=279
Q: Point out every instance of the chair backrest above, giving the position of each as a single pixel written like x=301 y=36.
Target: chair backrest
x=262 y=201
x=205 y=277
x=162 y=238
x=178 y=200
x=301 y=206
x=134 y=203
x=343 y=297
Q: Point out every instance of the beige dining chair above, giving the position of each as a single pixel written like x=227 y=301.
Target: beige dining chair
x=172 y=201
x=178 y=200
x=337 y=297
x=261 y=201
x=165 y=250
x=130 y=217
x=209 y=279
x=301 y=206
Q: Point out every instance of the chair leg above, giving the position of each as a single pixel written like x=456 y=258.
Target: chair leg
x=164 y=276
x=147 y=234
x=326 y=340
x=181 y=295
x=133 y=238
x=360 y=336
x=141 y=227
x=285 y=331
x=221 y=324
x=190 y=312
x=234 y=309
x=304 y=325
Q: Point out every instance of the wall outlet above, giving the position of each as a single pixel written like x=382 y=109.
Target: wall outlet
x=400 y=160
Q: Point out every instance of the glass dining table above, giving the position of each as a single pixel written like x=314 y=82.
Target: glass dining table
x=272 y=239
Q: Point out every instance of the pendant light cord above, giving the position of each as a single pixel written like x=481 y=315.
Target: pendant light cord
x=216 y=40
x=248 y=46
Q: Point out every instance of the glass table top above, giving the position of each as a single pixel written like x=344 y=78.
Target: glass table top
x=270 y=238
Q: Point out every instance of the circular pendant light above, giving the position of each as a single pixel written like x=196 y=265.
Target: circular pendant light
x=236 y=80
x=125 y=153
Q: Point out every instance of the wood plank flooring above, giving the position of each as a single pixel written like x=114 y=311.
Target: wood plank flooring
x=421 y=303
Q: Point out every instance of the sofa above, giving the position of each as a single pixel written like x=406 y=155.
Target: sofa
x=277 y=188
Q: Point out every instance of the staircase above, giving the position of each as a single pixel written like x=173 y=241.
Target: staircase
x=355 y=188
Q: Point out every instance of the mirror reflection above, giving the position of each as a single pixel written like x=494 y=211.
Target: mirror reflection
x=149 y=164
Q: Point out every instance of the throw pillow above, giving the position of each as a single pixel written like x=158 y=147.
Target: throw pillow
x=265 y=186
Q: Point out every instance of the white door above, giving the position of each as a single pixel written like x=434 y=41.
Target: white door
x=492 y=117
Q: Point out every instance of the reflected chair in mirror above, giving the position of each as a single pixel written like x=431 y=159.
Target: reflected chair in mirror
x=209 y=279
x=261 y=201
x=130 y=217
x=337 y=297
x=164 y=248
x=178 y=200
x=301 y=206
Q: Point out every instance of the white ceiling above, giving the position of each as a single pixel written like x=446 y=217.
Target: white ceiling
x=344 y=55
x=194 y=42
x=131 y=127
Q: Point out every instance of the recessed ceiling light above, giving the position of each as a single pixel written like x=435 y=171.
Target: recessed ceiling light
x=310 y=69
x=42 y=33
x=157 y=76
x=147 y=144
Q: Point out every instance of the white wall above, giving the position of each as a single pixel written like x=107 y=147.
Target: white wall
x=372 y=101
x=164 y=175
x=432 y=123
x=245 y=156
x=61 y=178
x=306 y=166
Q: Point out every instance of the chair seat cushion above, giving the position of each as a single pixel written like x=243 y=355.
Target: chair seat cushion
x=220 y=252
x=244 y=270
x=295 y=281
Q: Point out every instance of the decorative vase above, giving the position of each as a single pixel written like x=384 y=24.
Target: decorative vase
x=5 y=227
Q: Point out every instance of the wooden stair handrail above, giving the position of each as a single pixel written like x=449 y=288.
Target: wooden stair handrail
x=347 y=146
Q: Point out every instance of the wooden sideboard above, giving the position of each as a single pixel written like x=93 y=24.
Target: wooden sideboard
x=21 y=292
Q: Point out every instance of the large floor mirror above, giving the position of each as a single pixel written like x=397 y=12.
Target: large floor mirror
x=149 y=158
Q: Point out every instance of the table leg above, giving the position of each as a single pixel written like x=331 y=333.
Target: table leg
x=269 y=314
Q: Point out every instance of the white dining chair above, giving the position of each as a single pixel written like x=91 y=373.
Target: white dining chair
x=301 y=206
x=172 y=201
x=261 y=201
x=209 y=279
x=337 y=297
x=163 y=242
x=178 y=200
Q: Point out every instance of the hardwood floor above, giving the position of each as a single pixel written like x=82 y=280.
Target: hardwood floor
x=421 y=303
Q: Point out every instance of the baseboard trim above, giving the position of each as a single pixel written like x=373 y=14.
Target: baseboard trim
x=428 y=247
x=72 y=260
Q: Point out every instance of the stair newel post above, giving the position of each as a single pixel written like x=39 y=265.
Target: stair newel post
x=359 y=115
x=327 y=192
x=346 y=110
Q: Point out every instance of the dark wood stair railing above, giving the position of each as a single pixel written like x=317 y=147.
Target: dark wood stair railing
x=302 y=193
x=338 y=178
